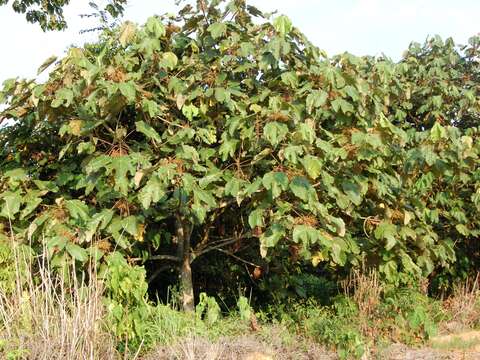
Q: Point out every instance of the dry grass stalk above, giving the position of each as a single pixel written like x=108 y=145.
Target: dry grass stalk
x=464 y=304
x=53 y=317
x=365 y=289
x=194 y=348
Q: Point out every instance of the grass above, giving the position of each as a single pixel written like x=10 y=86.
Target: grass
x=456 y=342
x=46 y=316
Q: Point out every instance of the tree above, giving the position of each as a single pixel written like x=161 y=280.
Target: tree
x=49 y=13
x=218 y=130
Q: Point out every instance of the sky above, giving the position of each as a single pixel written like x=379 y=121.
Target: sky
x=361 y=27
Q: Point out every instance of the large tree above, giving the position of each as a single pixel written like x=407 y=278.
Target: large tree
x=219 y=131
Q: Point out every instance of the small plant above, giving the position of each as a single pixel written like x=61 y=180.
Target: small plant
x=125 y=297
x=208 y=309
x=410 y=315
x=244 y=309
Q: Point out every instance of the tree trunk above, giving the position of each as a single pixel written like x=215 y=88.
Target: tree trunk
x=184 y=231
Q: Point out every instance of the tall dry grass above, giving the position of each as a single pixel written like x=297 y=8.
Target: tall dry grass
x=366 y=289
x=464 y=305
x=49 y=316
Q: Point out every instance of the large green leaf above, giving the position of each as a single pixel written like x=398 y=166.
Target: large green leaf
x=275 y=132
x=275 y=182
x=147 y=130
x=386 y=231
x=152 y=192
x=217 y=29
x=282 y=24
x=77 y=209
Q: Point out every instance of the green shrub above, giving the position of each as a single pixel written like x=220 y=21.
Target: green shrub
x=126 y=301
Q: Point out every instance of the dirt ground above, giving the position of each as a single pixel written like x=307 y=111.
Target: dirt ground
x=460 y=346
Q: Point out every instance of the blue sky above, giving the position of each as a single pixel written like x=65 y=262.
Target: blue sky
x=359 y=26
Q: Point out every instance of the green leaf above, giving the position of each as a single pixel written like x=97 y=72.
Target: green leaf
x=438 y=132
x=302 y=188
x=150 y=107
x=227 y=148
x=15 y=176
x=199 y=211
x=155 y=27
x=292 y=153
x=12 y=202
x=97 y=163
x=188 y=152
x=338 y=255
x=276 y=182
x=256 y=218
x=77 y=209
x=190 y=111
x=306 y=235
x=221 y=94
x=148 y=131
x=316 y=99
x=275 y=132
x=205 y=197
x=312 y=165
x=30 y=206
x=131 y=225
x=169 y=61
x=386 y=231
x=462 y=229
x=353 y=191
x=77 y=252
x=270 y=238
x=340 y=104
x=152 y=192
x=339 y=225
x=121 y=166
x=63 y=96
x=283 y=25
x=99 y=221
x=217 y=30
x=85 y=148
x=232 y=187
x=290 y=78
x=128 y=90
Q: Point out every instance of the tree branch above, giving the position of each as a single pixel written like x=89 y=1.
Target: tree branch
x=219 y=244
x=158 y=272
x=238 y=258
x=164 y=257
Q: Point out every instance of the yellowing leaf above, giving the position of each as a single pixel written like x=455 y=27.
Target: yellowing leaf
x=127 y=33
x=317 y=258
x=169 y=60
x=75 y=127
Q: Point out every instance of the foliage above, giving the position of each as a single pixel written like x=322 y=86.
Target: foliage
x=49 y=13
x=401 y=316
x=126 y=303
x=417 y=315
x=15 y=263
x=217 y=130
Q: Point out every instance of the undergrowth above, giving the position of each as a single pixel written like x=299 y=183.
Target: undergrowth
x=50 y=313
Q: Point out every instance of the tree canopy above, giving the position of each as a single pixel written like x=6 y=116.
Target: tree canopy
x=218 y=130
x=49 y=13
